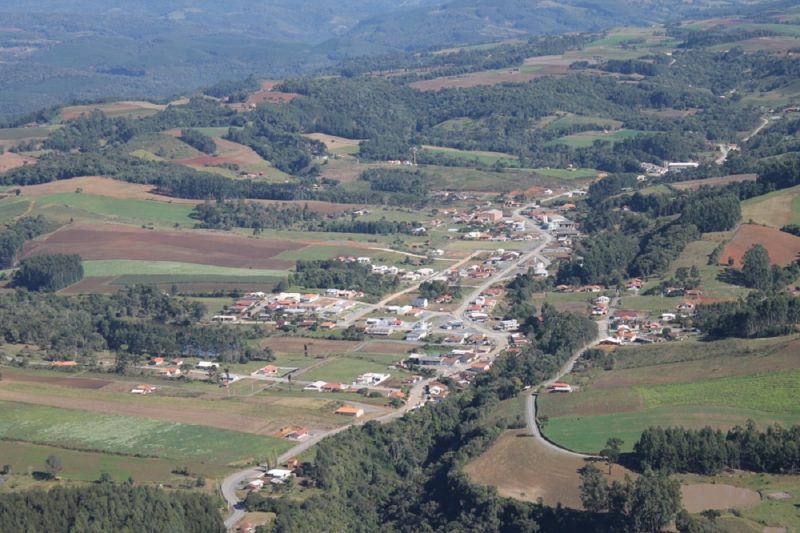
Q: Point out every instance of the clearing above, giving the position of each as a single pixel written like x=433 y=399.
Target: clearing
x=10 y=160
x=115 y=109
x=712 y=182
x=775 y=209
x=783 y=247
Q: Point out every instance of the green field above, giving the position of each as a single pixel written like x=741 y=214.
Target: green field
x=688 y=383
x=82 y=430
x=126 y=267
x=487 y=158
x=162 y=146
x=79 y=206
x=18 y=134
x=587 y=138
x=346 y=370
x=566 y=174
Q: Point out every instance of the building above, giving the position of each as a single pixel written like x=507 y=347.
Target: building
x=315 y=386
x=143 y=389
x=560 y=387
x=350 y=410
x=420 y=302
x=206 y=365
x=491 y=216
x=371 y=378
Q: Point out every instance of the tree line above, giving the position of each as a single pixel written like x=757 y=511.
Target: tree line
x=49 y=272
x=333 y=274
x=707 y=451
x=15 y=234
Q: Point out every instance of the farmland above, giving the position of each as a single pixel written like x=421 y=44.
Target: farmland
x=693 y=384
x=113 y=242
x=587 y=138
x=130 y=435
x=775 y=209
x=783 y=247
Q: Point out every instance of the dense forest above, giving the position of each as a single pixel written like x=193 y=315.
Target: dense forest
x=108 y=507
x=13 y=236
x=49 y=272
x=332 y=274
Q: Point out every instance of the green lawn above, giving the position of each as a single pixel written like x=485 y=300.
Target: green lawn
x=564 y=174
x=485 y=157
x=11 y=208
x=126 y=267
x=82 y=430
x=18 y=134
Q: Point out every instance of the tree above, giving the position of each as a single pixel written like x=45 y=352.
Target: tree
x=594 y=489
x=755 y=269
x=105 y=477
x=53 y=465
x=655 y=501
x=612 y=450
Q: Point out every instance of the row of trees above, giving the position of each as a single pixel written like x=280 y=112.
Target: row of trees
x=758 y=315
x=708 y=451
x=198 y=140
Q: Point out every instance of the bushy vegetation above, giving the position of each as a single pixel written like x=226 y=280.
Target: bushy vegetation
x=198 y=140
x=14 y=236
x=108 y=507
x=333 y=274
x=758 y=315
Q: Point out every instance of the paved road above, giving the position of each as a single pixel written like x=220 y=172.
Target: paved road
x=416 y=394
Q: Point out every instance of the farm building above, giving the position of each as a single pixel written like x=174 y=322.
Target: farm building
x=143 y=389
x=350 y=410
x=560 y=387
x=371 y=378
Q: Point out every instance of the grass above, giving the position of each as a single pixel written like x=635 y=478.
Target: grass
x=91 y=207
x=131 y=435
x=346 y=370
x=162 y=146
x=19 y=134
x=11 y=208
x=775 y=392
x=87 y=466
x=485 y=157
x=129 y=267
x=585 y=139
x=775 y=209
x=564 y=174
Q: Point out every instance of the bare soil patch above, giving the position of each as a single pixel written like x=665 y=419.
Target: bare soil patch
x=520 y=467
x=391 y=348
x=783 y=247
x=97 y=242
x=100 y=285
x=712 y=182
x=701 y=496
x=10 y=160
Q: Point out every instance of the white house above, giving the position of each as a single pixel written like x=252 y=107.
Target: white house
x=315 y=386
x=205 y=365
x=371 y=378
x=279 y=473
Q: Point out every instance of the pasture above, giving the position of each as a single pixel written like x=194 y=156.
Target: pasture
x=484 y=157
x=128 y=268
x=131 y=109
x=587 y=138
x=712 y=182
x=126 y=435
x=691 y=383
x=775 y=209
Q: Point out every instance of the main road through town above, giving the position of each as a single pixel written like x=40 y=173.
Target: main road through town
x=416 y=397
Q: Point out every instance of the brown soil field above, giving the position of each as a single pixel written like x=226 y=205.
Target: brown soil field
x=9 y=160
x=550 y=66
x=273 y=97
x=102 y=285
x=701 y=496
x=73 y=382
x=73 y=112
x=102 y=186
x=712 y=182
x=520 y=467
x=775 y=45
x=95 y=242
x=783 y=247
x=243 y=155
x=294 y=345
x=391 y=348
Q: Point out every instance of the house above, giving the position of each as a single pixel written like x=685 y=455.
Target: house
x=371 y=378
x=279 y=474
x=507 y=325
x=560 y=387
x=480 y=366
x=205 y=365
x=333 y=387
x=292 y=433
x=63 y=364
x=246 y=527
x=667 y=317
x=143 y=389
x=350 y=410
x=315 y=386
x=156 y=361
x=269 y=370
x=255 y=484
x=171 y=372
x=420 y=302
x=491 y=216
x=363 y=260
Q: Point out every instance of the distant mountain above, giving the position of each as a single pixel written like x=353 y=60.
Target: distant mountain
x=475 y=21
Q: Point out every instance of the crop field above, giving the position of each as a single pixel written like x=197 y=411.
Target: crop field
x=81 y=206
x=102 y=186
x=336 y=145
x=587 y=138
x=522 y=74
x=690 y=383
x=566 y=174
x=160 y=147
x=346 y=370
x=170 y=269
x=106 y=242
x=487 y=158
x=775 y=209
x=783 y=247
x=116 y=109
x=127 y=435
